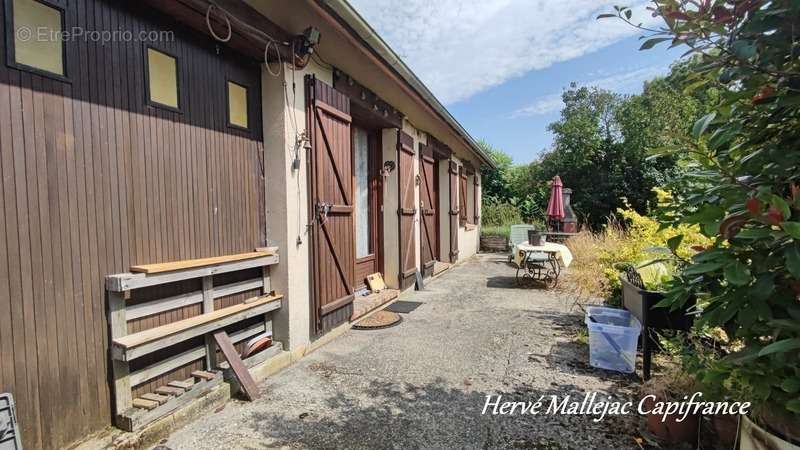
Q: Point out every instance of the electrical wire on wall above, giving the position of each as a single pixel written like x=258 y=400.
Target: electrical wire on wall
x=300 y=138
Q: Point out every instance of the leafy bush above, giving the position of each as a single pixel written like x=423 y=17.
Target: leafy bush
x=531 y=209
x=741 y=188
x=499 y=213
x=495 y=230
x=628 y=239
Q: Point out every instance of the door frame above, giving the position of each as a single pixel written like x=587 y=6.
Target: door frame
x=374 y=164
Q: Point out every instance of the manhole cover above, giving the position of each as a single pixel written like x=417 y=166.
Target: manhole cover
x=381 y=319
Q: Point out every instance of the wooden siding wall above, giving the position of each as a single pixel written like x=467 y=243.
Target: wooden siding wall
x=93 y=181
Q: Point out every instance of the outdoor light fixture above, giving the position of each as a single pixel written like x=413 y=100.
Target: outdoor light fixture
x=388 y=167
x=307 y=41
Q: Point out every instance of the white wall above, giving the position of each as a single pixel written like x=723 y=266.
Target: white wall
x=468 y=241
x=287 y=200
x=391 y=249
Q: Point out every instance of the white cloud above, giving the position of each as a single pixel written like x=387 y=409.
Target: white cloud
x=624 y=81
x=628 y=80
x=545 y=104
x=462 y=47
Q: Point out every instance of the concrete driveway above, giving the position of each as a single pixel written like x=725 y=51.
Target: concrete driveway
x=423 y=384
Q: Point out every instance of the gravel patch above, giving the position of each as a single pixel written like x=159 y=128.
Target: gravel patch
x=424 y=383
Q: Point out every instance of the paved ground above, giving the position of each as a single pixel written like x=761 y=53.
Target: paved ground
x=423 y=384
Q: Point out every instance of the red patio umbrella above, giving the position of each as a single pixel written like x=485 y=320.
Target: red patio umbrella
x=555 y=208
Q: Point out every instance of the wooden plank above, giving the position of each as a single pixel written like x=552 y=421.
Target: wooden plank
x=170 y=391
x=166 y=304
x=120 y=370
x=184 y=358
x=158 y=398
x=193 y=263
x=240 y=286
x=266 y=282
x=144 y=403
x=208 y=307
x=134 y=419
x=166 y=365
x=204 y=375
x=135 y=345
x=185 y=385
x=254 y=360
x=190 y=298
x=241 y=373
x=128 y=281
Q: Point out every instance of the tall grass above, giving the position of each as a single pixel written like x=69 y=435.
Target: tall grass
x=597 y=257
x=587 y=277
x=496 y=230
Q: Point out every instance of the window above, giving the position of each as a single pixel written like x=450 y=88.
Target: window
x=37 y=37
x=162 y=79
x=361 y=170
x=237 y=105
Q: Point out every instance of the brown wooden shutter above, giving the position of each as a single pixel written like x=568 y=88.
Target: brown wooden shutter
x=333 y=230
x=463 y=208
x=453 y=211
x=406 y=209
x=476 y=199
x=428 y=202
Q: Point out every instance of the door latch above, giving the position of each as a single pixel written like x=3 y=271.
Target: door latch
x=323 y=209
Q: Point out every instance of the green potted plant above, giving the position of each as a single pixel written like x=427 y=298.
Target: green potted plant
x=742 y=187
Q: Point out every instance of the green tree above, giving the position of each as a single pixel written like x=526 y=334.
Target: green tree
x=604 y=142
x=496 y=182
x=602 y=149
x=590 y=156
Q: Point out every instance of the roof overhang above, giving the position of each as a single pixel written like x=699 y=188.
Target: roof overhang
x=348 y=17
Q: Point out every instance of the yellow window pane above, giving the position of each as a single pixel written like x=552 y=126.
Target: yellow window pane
x=163 y=75
x=37 y=36
x=237 y=105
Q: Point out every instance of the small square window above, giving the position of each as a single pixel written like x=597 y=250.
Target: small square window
x=237 y=105
x=37 y=37
x=162 y=79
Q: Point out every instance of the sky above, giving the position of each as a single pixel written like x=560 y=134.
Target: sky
x=500 y=66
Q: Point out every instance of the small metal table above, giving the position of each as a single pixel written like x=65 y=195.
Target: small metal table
x=539 y=266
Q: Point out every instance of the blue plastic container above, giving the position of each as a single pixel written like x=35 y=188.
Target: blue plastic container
x=612 y=338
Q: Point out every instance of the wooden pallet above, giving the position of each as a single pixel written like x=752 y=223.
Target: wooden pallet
x=165 y=400
x=132 y=414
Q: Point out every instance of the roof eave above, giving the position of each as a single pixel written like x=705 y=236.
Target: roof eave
x=346 y=13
